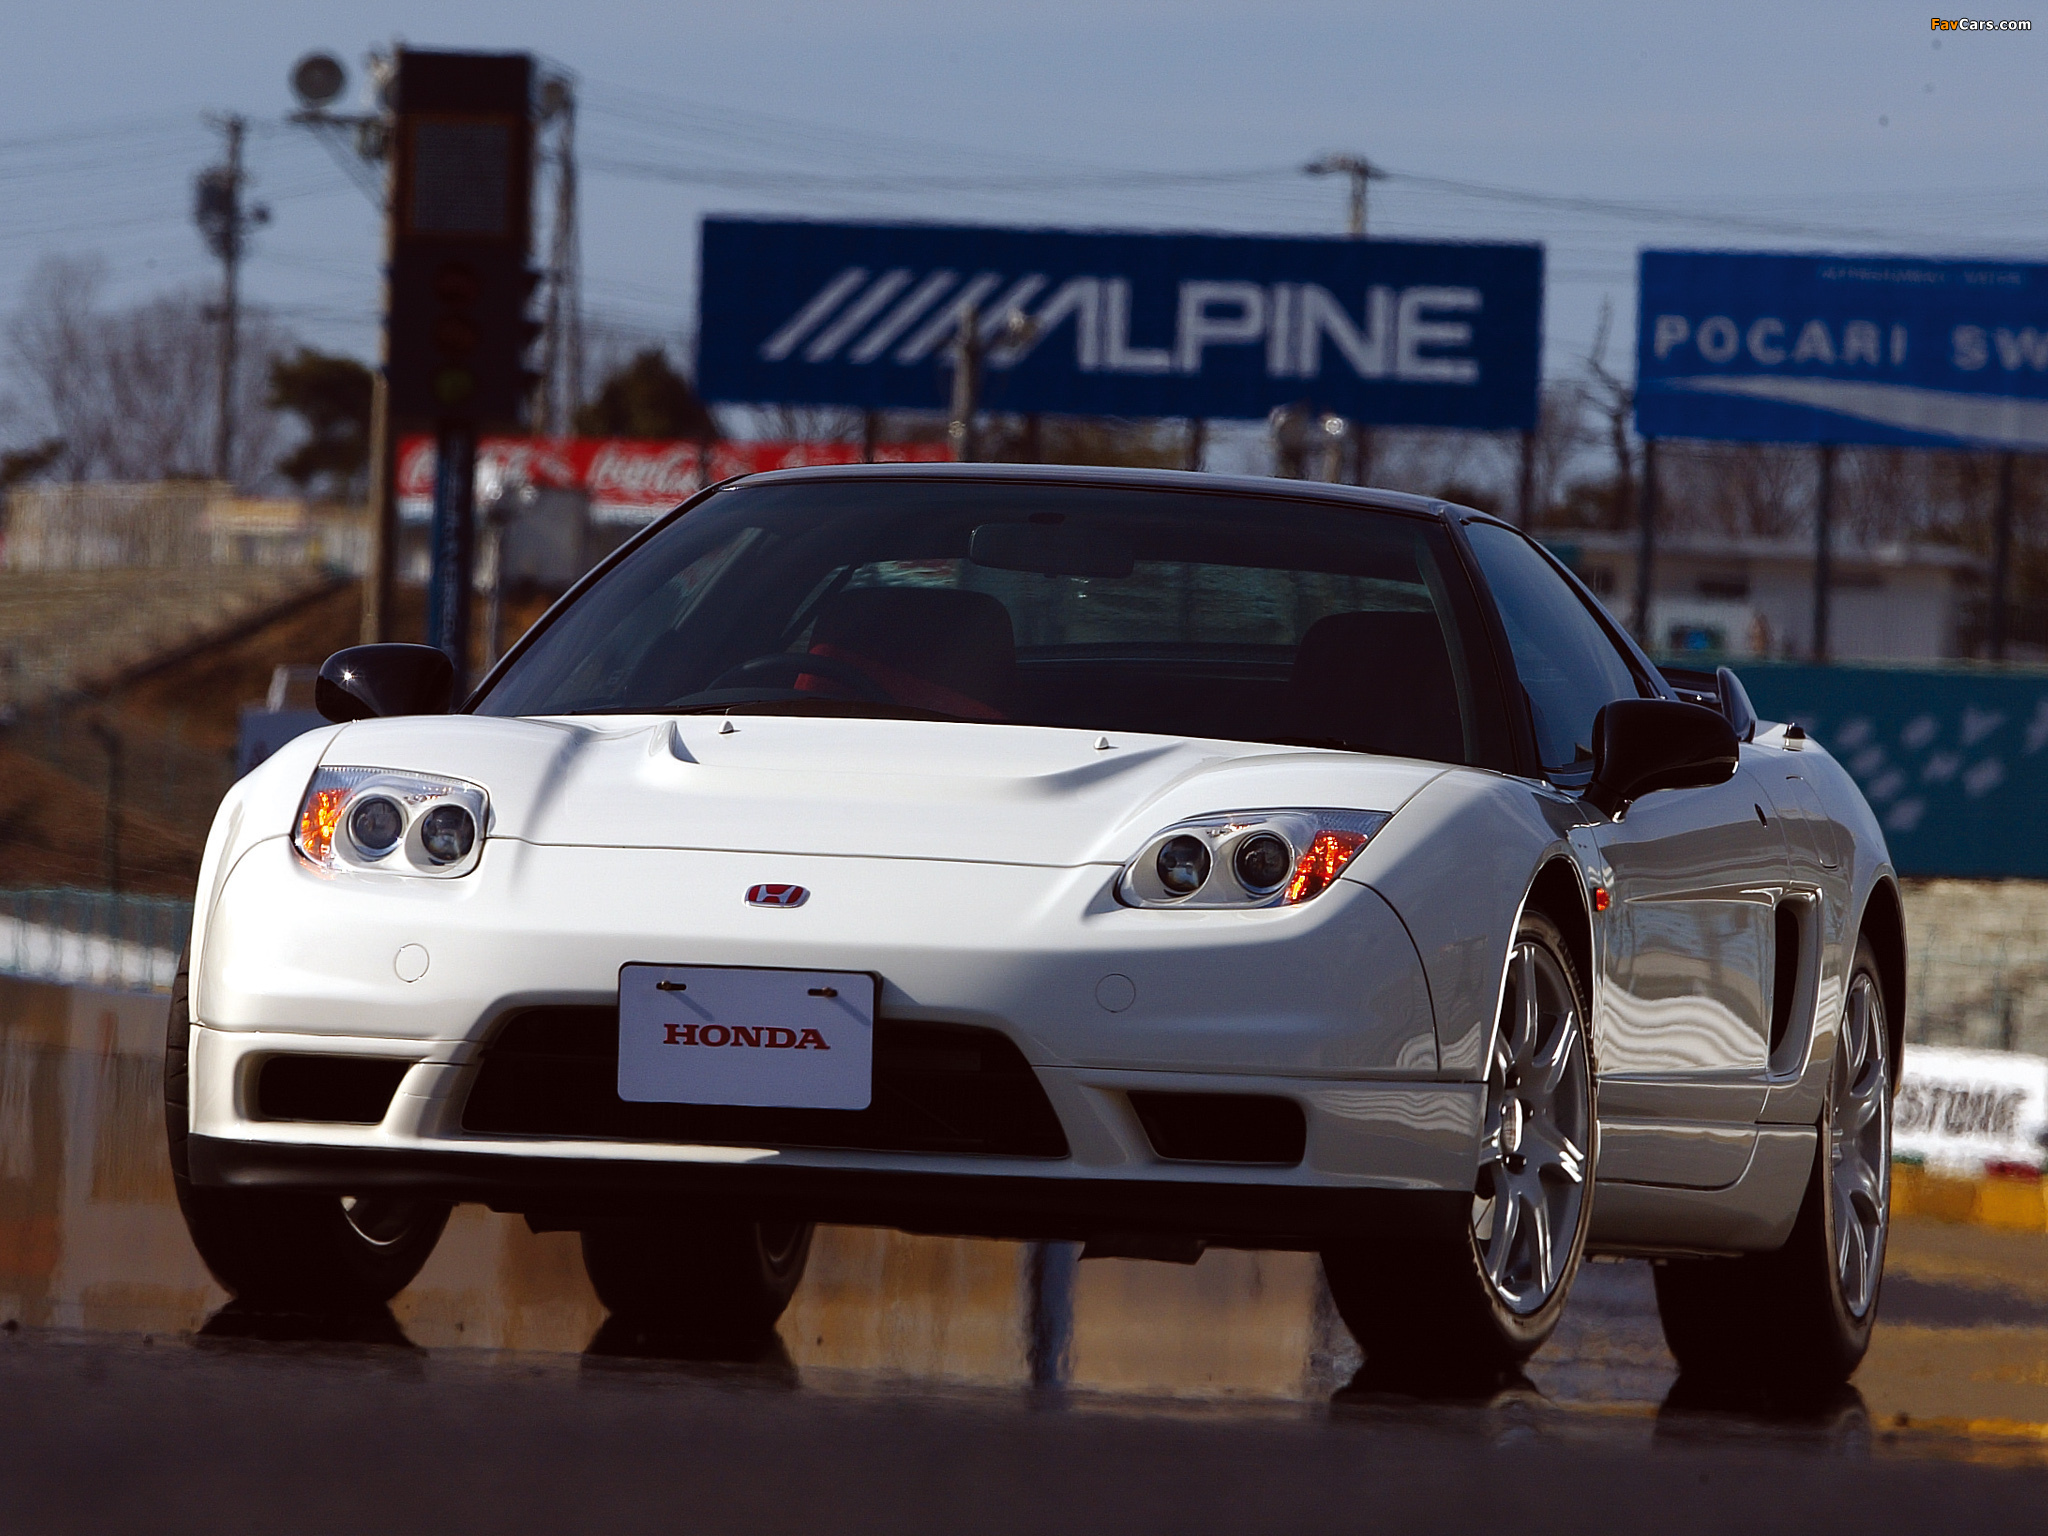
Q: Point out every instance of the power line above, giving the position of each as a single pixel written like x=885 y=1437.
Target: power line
x=745 y=178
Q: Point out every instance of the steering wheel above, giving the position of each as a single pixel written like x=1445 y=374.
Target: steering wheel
x=834 y=667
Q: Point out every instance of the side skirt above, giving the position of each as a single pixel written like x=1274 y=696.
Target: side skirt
x=1752 y=1215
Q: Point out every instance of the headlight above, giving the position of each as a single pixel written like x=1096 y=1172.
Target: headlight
x=1182 y=864
x=400 y=823
x=1246 y=858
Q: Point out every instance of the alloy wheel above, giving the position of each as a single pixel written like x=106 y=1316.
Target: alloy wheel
x=1860 y=1135
x=383 y=1219
x=1531 y=1190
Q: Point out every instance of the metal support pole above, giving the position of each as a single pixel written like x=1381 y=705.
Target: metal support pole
x=1198 y=441
x=448 y=587
x=870 y=431
x=966 y=386
x=110 y=852
x=1646 y=546
x=1823 y=551
x=1034 y=438
x=1525 y=483
x=1049 y=1343
x=2001 y=558
x=377 y=574
x=1362 y=451
x=494 y=603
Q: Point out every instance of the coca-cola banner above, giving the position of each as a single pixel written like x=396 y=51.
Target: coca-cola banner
x=628 y=480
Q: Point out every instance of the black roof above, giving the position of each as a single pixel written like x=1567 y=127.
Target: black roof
x=1136 y=479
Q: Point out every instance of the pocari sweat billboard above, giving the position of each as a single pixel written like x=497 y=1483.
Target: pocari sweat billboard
x=1843 y=349
x=1386 y=331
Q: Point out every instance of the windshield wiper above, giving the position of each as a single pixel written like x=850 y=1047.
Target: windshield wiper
x=1327 y=743
x=773 y=702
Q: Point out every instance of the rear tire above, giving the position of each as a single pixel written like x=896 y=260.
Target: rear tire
x=714 y=1281
x=1800 y=1319
x=1462 y=1300
x=290 y=1249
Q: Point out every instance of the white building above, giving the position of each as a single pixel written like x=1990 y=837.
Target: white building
x=1737 y=598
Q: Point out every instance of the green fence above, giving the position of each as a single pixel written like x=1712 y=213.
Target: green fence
x=1953 y=759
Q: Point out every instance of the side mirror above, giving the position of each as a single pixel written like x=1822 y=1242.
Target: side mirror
x=1644 y=745
x=367 y=682
x=1735 y=704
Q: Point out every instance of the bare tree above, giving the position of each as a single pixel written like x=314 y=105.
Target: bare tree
x=1614 y=399
x=1737 y=490
x=130 y=390
x=1564 y=436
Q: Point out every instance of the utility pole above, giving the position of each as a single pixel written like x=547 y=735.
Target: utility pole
x=1360 y=172
x=224 y=225
x=561 y=367
x=970 y=350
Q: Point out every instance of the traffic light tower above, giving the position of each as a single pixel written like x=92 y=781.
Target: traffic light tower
x=458 y=283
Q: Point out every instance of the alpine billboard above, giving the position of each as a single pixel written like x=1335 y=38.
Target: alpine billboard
x=1392 y=332
x=1843 y=349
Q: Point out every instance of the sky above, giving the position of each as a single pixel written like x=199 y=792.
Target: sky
x=1597 y=129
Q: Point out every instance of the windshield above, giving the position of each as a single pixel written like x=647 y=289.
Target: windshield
x=1108 y=609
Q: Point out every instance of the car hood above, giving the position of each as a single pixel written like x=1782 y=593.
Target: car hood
x=859 y=787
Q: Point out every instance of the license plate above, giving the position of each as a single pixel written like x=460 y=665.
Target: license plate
x=696 y=1034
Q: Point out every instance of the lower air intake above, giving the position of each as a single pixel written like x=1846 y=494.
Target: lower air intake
x=1223 y=1127
x=946 y=1088
x=344 y=1090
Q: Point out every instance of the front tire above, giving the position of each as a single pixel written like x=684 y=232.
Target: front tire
x=1800 y=1318
x=1479 y=1291
x=289 y=1249
x=716 y=1281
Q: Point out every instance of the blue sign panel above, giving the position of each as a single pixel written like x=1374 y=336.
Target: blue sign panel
x=1385 y=331
x=1842 y=349
x=1954 y=762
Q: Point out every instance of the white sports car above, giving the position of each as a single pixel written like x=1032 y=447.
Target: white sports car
x=1146 y=859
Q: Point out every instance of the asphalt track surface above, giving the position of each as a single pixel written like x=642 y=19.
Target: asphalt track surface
x=115 y=1433
x=916 y=1384
x=262 y=1422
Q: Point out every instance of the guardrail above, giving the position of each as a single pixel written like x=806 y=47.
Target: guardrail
x=93 y=938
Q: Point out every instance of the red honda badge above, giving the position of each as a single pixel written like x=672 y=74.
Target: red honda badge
x=777 y=896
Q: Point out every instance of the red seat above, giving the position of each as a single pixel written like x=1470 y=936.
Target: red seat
x=1380 y=682
x=933 y=648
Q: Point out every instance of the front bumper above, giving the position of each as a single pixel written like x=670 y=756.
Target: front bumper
x=560 y=1194
x=1324 y=1005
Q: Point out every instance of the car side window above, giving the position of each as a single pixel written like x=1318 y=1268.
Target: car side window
x=1568 y=664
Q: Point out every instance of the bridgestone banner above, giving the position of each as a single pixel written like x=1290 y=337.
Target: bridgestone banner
x=1964 y=1111
x=865 y=315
